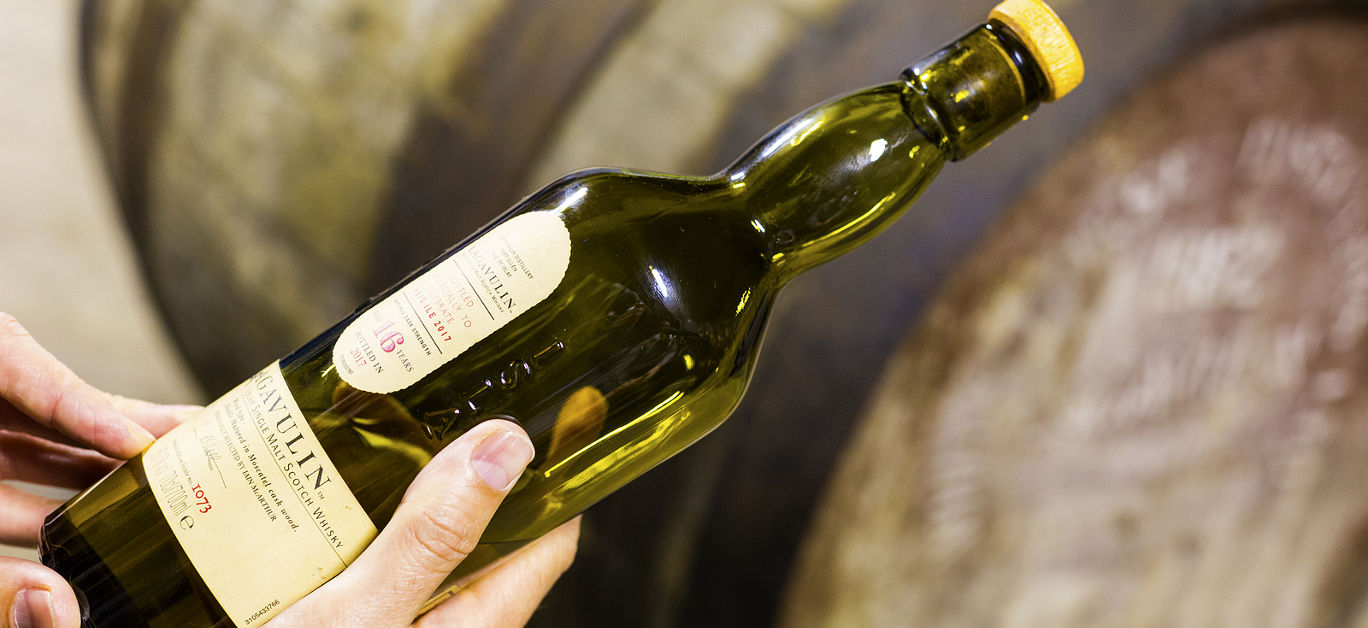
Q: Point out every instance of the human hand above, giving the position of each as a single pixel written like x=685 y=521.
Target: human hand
x=55 y=430
x=440 y=520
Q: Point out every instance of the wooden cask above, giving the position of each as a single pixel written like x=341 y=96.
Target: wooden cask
x=279 y=161
x=1141 y=402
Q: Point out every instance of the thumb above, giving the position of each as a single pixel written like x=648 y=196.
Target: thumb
x=33 y=596
x=436 y=526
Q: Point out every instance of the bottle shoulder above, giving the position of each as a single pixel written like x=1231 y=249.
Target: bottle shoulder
x=687 y=244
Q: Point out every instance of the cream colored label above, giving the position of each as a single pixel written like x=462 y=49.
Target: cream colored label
x=454 y=305
x=255 y=502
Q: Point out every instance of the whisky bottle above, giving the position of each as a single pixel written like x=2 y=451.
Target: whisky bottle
x=615 y=315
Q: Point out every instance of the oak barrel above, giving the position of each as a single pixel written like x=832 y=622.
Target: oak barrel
x=1144 y=400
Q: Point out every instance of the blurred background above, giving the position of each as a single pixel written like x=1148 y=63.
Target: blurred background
x=1105 y=373
x=68 y=269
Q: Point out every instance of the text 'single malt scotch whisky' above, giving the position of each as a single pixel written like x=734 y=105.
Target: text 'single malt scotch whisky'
x=614 y=314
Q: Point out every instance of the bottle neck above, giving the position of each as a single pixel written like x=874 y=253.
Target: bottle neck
x=973 y=89
x=838 y=174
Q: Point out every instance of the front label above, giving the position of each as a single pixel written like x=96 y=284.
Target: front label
x=456 y=304
x=255 y=502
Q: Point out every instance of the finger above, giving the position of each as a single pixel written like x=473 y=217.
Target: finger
x=437 y=524
x=154 y=417
x=22 y=515
x=507 y=594
x=32 y=459
x=12 y=420
x=43 y=388
x=33 y=595
x=443 y=514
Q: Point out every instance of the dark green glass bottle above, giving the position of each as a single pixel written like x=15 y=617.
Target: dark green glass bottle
x=616 y=317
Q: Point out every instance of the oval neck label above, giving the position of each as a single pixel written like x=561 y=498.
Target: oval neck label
x=455 y=304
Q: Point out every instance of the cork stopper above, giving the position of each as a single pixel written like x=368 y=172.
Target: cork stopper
x=1048 y=40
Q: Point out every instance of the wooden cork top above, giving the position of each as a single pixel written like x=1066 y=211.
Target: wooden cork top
x=1048 y=39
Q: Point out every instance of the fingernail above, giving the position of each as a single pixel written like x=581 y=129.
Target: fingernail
x=500 y=457
x=183 y=413
x=32 y=609
x=141 y=438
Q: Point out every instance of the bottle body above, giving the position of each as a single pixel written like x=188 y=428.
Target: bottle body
x=642 y=345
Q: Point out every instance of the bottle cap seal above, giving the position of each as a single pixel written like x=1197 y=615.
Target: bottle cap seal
x=1048 y=40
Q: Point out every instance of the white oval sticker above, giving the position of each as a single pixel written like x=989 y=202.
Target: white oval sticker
x=457 y=303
